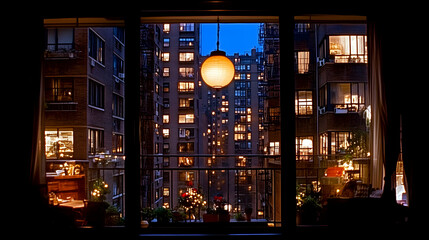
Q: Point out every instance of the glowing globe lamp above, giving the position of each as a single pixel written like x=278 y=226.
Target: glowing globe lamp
x=217 y=71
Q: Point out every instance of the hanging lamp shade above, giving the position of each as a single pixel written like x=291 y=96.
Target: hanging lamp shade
x=217 y=71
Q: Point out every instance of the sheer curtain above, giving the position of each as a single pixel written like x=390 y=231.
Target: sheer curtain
x=378 y=105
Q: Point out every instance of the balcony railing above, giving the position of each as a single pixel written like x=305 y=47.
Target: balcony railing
x=242 y=182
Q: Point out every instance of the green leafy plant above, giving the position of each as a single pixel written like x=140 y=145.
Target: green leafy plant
x=99 y=190
x=163 y=215
x=148 y=214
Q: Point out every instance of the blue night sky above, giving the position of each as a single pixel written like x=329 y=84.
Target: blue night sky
x=234 y=37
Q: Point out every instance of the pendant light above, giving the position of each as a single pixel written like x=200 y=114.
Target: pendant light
x=217 y=71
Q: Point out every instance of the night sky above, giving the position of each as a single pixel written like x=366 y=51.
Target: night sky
x=234 y=37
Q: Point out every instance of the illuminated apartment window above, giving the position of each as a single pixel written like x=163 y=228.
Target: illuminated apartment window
x=304 y=148
x=186 y=118
x=348 y=48
x=166 y=118
x=166 y=72
x=117 y=143
x=186 y=72
x=186 y=56
x=302 y=61
x=274 y=148
x=95 y=140
x=165 y=56
x=166 y=133
x=348 y=97
x=186 y=161
x=59 y=143
x=186 y=87
x=186 y=102
x=166 y=28
x=186 y=27
x=303 y=103
x=186 y=133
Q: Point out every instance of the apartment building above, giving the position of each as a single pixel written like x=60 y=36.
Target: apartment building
x=169 y=110
x=83 y=72
x=331 y=105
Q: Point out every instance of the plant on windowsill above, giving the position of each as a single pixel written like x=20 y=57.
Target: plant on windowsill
x=210 y=215
x=239 y=217
x=310 y=210
x=163 y=215
x=147 y=215
x=96 y=209
x=192 y=202
x=219 y=204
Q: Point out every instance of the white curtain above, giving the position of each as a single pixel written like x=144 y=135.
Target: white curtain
x=378 y=106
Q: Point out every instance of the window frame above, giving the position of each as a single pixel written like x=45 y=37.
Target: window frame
x=132 y=222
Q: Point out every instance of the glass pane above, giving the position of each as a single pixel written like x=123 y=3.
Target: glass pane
x=84 y=124
x=332 y=148
x=221 y=156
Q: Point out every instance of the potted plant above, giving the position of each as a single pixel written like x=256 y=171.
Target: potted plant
x=147 y=214
x=210 y=215
x=96 y=208
x=163 y=215
x=248 y=211
x=223 y=215
x=239 y=217
x=192 y=201
x=113 y=217
x=310 y=209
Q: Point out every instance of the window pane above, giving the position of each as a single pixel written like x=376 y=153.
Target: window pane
x=84 y=122
x=332 y=148
x=221 y=123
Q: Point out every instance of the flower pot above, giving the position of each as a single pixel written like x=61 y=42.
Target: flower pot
x=210 y=217
x=224 y=217
x=96 y=213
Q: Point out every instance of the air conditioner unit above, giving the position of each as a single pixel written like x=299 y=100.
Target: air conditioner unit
x=121 y=75
x=321 y=61
x=92 y=63
x=340 y=111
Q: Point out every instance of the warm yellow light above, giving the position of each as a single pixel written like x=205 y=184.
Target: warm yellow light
x=217 y=71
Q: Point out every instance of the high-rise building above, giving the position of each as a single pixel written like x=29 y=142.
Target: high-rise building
x=170 y=110
x=232 y=133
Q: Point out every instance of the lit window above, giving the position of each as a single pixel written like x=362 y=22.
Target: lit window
x=166 y=192
x=186 y=27
x=166 y=57
x=186 y=118
x=59 y=144
x=348 y=48
x=302 y=60
x=186 y=56
x=304 y=148
x=186 y=72
x=166 y=72
x=186 y=161
x=186 y=87
x=274 y=148
x=166 y=28
x=166 y=118
x=166 y=132
x=303 y=103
